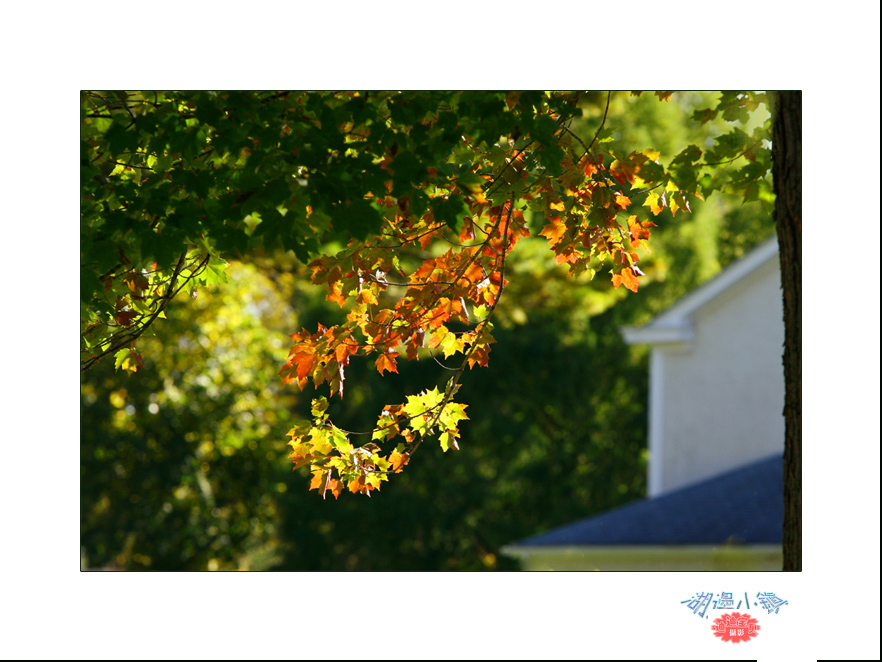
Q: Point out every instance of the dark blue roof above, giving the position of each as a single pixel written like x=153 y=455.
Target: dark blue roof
x=743 y=506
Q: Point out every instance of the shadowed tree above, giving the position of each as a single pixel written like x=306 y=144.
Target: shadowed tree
x=787 y=177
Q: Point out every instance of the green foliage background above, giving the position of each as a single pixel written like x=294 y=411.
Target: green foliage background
x=184 y=464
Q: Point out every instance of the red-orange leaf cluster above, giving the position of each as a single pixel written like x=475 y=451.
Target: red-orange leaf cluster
x=399 y=312
x=639 y=230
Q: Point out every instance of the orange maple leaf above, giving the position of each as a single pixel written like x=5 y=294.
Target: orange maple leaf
x=627 y=278
x=554 y=230
x=358 y=485
x=638 y=230
x=304 y=359
x=337 y=295
x=623 y=172
x=398 y=460
x=436 y=336
x=343 y=351
x=386 y=362
x=298 y=460
x=318 y=479
x=336 y=487
x=366 y=296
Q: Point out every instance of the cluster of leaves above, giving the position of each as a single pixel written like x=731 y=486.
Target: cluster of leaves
x=362 y=469
x=428 y=190
x=131 y=299
x=581 y=191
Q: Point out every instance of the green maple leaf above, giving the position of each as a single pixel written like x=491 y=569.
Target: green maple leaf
x=127 y=359
x=448 y=345
x=319 y=406
x=452 y=414
x=340 y=441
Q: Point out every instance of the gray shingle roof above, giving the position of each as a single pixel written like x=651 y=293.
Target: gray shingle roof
x=744 y=506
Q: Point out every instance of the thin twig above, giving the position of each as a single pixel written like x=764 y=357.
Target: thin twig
x=133 y=334
x=599 y=129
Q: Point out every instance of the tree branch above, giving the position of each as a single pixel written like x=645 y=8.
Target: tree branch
x=599 y=129
x=131 y=335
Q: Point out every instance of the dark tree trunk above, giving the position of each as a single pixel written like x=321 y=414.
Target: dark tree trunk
x=787 y=176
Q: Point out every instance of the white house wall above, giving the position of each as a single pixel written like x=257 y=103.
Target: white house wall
x=723 y=394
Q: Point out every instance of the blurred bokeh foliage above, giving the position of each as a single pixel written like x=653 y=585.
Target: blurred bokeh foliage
x=184 y=464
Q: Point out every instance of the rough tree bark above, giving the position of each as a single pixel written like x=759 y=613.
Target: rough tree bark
x=787 y=176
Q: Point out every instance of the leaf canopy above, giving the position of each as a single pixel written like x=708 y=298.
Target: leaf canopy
x=405 y=205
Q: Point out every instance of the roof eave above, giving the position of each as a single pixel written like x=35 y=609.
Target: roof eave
x=683 y=333
x=675 y=324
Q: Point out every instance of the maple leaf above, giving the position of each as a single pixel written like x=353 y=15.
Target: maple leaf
x=298 y=459
x=339 y=440
x=125 y=317
x=374 y=481
x=451 y=345
x=468 y=230
x=398 y=460
x=336 y=487
x=452 y=414
x=627 y=278
x=622 y=201
x=655 y=202
x=358 y=485
x=601 y=196
x=318 y=479
x=343 y=351
x=428 y=237
x=638 y=230
x=448 y=441
x=554 y=230
x=303 y=358
x=319 y=407
x=436 y=336
x=479 y=356
x=321 y=480
x=135 y=282
x=336 y=295
x=386 y=362
x=705 y=115
x=623 y=172
x=366 y=296
x=678 y=202
x=128 y=359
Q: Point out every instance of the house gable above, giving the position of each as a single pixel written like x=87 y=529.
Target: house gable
x=716 y=381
